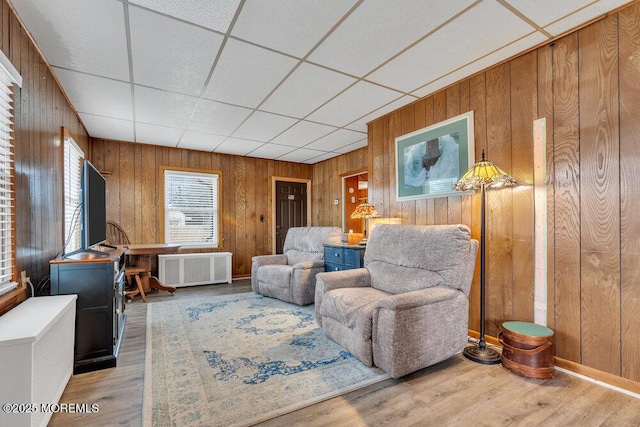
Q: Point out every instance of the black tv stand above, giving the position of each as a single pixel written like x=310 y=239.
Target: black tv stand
x=98 y=251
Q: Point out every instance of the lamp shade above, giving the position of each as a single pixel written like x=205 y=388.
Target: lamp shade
x=365 y=210
x=484 y=172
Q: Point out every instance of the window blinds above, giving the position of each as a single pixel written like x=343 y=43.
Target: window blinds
x=8 y=77
x=72 y=194
x=191 y=207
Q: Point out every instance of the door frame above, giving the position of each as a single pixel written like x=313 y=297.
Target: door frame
x=343 y=178
x=273 y=204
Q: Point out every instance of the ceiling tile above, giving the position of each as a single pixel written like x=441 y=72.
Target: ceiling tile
x=353 y=103
x=270 y=151
x=246 y=74
x=107 y=127
x=481 y=64
x=545 y=12
x=157 y=135
x=200 y=141
x=584 y=15
x=163 y=108
x=217 y=118
x=95 y=42
x=361 y=124
x=169 y=54
x=336 y=140
x=300 y=155
x=308 y=87
x=320 y=158
x=483 y=29
x=96 y=95
x=292 y=27
x=379 y=29
x=263 y=126
x=302 y=133
x=352 y=147
x=216 y=15
x=239 y=147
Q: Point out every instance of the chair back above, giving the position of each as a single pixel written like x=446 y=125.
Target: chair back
x=405 y=258
x=306 y=243
x=116 y=235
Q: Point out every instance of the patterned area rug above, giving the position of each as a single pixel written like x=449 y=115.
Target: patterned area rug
x=240 y=359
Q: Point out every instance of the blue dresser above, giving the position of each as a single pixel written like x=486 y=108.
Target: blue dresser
x=343 y=257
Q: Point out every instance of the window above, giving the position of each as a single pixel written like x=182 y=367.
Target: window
x=191 y=207
x=73 y=156
x=8 y=77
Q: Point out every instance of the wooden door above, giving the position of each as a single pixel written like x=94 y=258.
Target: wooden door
x=291 y=209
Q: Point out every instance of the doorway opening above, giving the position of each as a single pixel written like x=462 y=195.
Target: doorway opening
x=354 y=191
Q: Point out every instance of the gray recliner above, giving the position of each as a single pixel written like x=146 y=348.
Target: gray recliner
x=291 y=276
x=408 y=307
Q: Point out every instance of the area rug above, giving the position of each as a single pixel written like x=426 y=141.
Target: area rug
x=239 y=360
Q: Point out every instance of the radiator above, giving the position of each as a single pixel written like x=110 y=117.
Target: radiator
x=194 y=269
x=36 y=354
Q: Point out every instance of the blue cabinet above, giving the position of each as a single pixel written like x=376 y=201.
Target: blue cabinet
x=343 y=257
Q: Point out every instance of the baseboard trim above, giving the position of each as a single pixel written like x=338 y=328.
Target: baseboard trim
x=605 y=379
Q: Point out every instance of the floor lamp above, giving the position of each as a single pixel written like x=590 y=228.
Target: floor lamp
x=483 y=174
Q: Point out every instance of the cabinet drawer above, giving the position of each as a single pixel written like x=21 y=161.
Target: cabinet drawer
x=334 y=255
x=331 y=266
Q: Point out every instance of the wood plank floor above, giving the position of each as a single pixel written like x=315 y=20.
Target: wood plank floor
x=455 y=392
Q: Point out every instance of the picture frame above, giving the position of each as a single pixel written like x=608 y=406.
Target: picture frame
x=431 y=160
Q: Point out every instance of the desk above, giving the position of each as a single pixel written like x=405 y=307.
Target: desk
x=143 y=252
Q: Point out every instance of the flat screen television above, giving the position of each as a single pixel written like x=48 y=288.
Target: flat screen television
x=94 y=202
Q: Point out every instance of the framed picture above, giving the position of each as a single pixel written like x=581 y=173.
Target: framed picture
x=430 y=161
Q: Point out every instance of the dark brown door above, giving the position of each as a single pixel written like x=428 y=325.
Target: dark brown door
x=291 y=209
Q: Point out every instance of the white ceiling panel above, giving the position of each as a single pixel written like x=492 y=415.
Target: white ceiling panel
x=355 y=102
x=216 y=15
x=239 y=147
x=303 y=133
x=336 y=140
x=108 y=128
x=159 y=135
x=246 y=74
x=320 y=158
x=487 y=27
x=482 y=63
x=263 y=126
x=306 y=89
x=200 y=141
x=270 y=151
x=170 y=54
x=97 y=95
x=379 y=29
x=292 y=27
x=163 y=108
x=584 y=15
x=352 y=147
x=296 y=80
x=300 y=155
x=217 y=118
x=361 y=124
x=81 y=35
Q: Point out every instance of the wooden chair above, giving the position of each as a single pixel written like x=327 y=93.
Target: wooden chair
x=117 y=236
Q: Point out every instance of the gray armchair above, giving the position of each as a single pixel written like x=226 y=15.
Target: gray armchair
x=408 y=307
x=291 y=276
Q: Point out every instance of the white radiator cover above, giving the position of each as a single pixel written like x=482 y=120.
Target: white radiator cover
x=194 y=269
x=36 y=350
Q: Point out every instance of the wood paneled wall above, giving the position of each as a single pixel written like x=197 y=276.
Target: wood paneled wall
x=587 y=86
x=40 y=112
x=134 y=186
x=327 y=186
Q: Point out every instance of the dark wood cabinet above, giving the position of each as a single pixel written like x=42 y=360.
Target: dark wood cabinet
x=343 y=257
x=97 y=277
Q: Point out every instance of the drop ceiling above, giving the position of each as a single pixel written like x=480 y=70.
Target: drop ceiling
x=293 y=80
